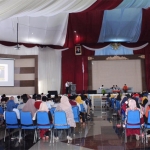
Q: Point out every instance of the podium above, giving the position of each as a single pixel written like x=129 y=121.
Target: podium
x=72 y=89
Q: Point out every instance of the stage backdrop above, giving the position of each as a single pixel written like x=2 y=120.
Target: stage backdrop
x=117 y=72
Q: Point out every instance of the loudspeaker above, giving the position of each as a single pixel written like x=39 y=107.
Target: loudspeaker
x=52 y=92
x=92 y=92
x=72 y=89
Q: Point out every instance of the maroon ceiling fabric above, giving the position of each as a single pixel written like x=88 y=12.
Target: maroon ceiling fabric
x=104 y=5
x=145 y=29
x=83 y=28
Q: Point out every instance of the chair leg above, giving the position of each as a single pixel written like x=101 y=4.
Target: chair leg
x=34 y=136
x=125 y=136
x=4 y=135
x=51 y=136
x=19 y=135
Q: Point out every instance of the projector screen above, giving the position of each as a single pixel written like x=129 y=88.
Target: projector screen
x=6 y=72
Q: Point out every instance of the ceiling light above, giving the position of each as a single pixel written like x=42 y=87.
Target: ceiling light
x=17 y=47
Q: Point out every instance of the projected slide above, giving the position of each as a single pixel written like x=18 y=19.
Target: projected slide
x=6 y=72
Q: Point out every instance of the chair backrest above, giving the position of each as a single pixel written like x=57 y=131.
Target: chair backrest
x=52 y=110
x=42 y=118
x=133 y=117
x=60 y=118
x=82 y=108
x=26 y=118
x=75 y=110
x=11 y=118
x=148 y=121
x=112 y=102
x=117 y=105
x=1 y=110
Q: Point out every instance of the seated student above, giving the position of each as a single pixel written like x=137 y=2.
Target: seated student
x=38 y=101
x=64 y=105
x=79 y=102
x=132 y=106
x=72 y=101
x=11 y=106
x=29 y=106
x=24 y=97
x=56 y=101
x=49 y=102
x=125 y=88
x=43 y=107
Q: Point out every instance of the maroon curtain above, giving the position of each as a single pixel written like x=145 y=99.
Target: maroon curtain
x=145 y=29
x=146 y=52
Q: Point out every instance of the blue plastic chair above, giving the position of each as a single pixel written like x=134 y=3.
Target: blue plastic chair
x=1 y=113
x=76 y=113
x=60 y=121
x=11 y=122
x=27 y=123
x=52 y=110
x=82 y=108
x=147 y=126
x=133 y=121
x=112 y=103
x=1 y=110
x=43 y=122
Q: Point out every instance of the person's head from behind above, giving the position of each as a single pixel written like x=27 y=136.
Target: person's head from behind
x=57 y=100
x=44 y=98
x=38 y=97
x=24 y=98
x=102 y=85
x=124 y=84
x=3 y=96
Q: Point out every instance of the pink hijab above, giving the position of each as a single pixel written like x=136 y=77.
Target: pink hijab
x=29 y=106
x=43 y=107
x=64 y=103
x=66 y=106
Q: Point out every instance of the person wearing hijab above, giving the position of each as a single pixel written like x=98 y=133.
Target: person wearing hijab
x=11 y=106
x=43 y=107
x=29 y=107
x=65 y=106
x=132 y=106
x=81 y=102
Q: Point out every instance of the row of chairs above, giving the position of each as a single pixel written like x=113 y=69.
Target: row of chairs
x=133 y=122
x=42 y=119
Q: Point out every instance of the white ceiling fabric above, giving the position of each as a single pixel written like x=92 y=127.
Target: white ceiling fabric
x=134 y=4
x=40 y=21
x=50 y=30
x=36 y=8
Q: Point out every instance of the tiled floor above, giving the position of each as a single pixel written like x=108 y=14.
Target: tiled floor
x=100 y=133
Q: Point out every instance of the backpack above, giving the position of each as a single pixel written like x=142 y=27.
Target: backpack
x=147 y=110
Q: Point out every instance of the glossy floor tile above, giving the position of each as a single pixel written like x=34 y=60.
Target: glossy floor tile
x=100 y=133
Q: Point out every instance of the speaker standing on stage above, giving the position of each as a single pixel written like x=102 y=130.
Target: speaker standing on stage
x=67 y=87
